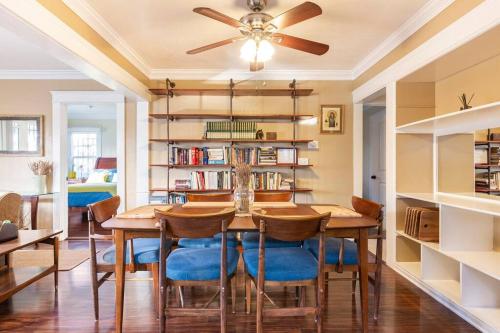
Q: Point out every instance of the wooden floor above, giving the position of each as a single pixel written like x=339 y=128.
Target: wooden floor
x=404 y=308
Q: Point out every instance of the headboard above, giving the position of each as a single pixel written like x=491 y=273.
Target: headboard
x=105 y=163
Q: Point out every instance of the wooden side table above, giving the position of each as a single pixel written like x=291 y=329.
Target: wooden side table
x=33 y=199
x=13 y=280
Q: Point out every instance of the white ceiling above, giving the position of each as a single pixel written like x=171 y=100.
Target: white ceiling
x=91 y=111
x=157 y=33
x=17 y=54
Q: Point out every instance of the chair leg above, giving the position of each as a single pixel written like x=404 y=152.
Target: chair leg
x=377 y=291
x=260 y=308
x=354 y=280
x=233 y=294
x=93 y=278
x=302 y=296
x=319 y=308
x=248 y=294
x=327 y=281
x=155 y=271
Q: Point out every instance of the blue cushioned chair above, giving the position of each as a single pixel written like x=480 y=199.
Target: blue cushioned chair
x=197 y=266
x=342 y=254
x=211 y=242
x=142 y=254
x=289 y=266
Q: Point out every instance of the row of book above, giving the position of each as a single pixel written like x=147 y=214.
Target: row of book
x=481 y=156
x=230 y=130
x=485 y=183
x=199 y=156
x=210 y=180
x=271 y=181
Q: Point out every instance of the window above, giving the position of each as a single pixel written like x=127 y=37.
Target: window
x=85 y=147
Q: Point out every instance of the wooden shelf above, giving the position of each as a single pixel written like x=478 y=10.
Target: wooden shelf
x=196 y=166
x=486 y=166
x=158 y=189
x=179 y=141
x=480 y=117
x=432 y=245
x=227 y=92
x=488 y=142
x=16 y=279
x=263 y=117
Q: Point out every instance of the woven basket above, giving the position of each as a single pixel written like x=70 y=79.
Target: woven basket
x=10 y=208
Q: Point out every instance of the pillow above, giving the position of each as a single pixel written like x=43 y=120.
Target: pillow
x=114 y=179
x=97 y=177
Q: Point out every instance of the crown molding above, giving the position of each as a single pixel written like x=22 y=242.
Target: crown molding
x=57 y=74
x=221 y=74
x=103 y=28
x=412 y=25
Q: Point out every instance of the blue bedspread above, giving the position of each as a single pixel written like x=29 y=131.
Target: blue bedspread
x=82 y=199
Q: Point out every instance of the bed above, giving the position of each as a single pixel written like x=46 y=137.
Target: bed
x=81 y=195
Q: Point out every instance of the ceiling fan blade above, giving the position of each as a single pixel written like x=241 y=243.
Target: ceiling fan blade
x=300 y=44
x=213 y=14
x=256 y=66
x=295 y=15
x=213 y=45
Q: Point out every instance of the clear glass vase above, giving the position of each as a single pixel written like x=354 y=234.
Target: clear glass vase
x=243 y=196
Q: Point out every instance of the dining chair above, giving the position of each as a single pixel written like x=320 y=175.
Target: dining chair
x=11 y=208
x=209 y=242
x=342 y=254
x=273 y=266
x=197 y=266
x=142 y=254
x=250 y=240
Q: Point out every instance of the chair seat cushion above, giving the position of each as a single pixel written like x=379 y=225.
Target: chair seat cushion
x=283 y=264
x=210 y=242
x=199 y=264
x=146 y=251
x=332 y=249
x=250 y=240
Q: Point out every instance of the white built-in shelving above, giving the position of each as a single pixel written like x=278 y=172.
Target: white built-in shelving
x=469 y=120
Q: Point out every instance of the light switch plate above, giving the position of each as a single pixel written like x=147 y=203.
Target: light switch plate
x=313 y=145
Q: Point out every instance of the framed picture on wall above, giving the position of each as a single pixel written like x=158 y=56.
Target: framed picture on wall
x=332 y=118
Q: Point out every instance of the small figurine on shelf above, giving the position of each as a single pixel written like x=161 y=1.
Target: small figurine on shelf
x=463 y=100
x=259 y=135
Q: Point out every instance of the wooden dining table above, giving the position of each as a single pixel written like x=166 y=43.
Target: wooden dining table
x=345 y=227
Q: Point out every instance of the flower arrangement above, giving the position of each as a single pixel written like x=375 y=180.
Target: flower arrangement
x=243 y=172
x=243 y=194
x=40 y=167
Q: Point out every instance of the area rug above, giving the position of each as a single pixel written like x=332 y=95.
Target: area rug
x=68 y=259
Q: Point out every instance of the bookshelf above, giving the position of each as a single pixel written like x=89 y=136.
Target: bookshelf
x=230 y=139
x=487 y=160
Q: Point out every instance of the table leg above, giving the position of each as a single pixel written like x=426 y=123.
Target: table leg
x=120 y=278
x=34 y=211
x=56 y=261
x=363 y=276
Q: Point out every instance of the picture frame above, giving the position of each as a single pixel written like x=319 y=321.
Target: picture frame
x=332 y=119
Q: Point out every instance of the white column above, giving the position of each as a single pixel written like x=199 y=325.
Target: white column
x=357 y=155
x=120 y=154
x=142 y=155
x=390 y=160
x=60 y=168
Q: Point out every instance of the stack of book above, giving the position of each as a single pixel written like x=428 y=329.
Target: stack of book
x=177 y=198
x=266 y=156
x=210 y=180
x=229 y=130
x=244 y=155
x=199 y=156
x=495 y=155
x=485 y=183
x=271 y=181
x=182 y=184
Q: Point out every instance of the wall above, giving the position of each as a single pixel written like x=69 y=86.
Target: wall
x=32 y=97
x=331 y=175
x=108 y=133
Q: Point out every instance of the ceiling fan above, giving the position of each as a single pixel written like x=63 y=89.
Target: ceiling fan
x=260 y=30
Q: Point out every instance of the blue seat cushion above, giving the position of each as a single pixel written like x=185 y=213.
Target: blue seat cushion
x=146 y=251
x=332 y=249
x=199 y=264
x=250 y=240
x=283 y=264
x=211 y=242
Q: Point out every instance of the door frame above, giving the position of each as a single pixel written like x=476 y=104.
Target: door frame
x=60 y=102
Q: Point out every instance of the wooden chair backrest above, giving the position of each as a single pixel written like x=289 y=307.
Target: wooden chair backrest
x=102 y=211
x=195 y=225
x=290 y=228
x=367 y=207
x=209 y=197
x=11 y=207
x=273 y=196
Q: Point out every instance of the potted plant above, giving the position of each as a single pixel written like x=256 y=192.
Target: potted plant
x=41 y=169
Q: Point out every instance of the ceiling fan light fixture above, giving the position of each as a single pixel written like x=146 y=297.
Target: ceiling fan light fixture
x=265 y=51
x=253 y=51
x=249 y=50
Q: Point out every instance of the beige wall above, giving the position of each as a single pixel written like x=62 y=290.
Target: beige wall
x=331 y=175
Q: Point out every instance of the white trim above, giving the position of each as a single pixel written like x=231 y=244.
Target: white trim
x=60 y=101
x=226 y=74
x=479 y=20
x=103 y=28
x=142 y=154
x=35 y=24
x=390 y=164
x=430 y=10
x=357 y=154
x=42 y=74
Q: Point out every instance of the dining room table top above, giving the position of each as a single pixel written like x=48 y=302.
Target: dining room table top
x=241 y=223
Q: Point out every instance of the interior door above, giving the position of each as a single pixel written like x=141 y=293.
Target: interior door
x=376 y=152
